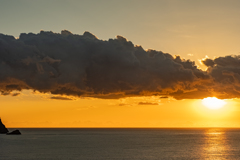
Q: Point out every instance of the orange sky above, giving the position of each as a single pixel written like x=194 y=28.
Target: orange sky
x=37 y=110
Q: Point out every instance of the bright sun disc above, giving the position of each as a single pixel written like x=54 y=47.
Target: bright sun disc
x=213 y=103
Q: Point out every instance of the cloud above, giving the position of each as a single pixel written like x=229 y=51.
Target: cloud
x=83 y=65
x=15 y=94
x=60 y=98
x=225 y=72
x=147 y=103
x=123 y=104
x=164 y=97
x=3 y=93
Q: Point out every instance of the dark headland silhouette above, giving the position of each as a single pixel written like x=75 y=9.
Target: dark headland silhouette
x=4 y=130
x=15 y=132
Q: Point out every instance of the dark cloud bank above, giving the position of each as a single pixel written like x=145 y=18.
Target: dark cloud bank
x=83 y=65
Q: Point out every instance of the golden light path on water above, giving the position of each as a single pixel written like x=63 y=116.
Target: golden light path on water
x=216 y=145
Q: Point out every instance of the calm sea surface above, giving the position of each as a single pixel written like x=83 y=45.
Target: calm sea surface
x=121 y=144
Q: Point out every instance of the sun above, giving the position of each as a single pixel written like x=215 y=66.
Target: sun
x=213 y=103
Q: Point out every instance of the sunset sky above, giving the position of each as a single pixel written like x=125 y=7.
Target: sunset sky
x=128 y=63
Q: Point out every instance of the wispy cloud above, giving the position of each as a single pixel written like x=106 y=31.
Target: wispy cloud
x=60 y=98
x=147 y=103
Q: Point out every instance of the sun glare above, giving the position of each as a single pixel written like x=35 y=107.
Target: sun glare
x=213 y=103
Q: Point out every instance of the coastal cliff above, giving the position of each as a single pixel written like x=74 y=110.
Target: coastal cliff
x=3 y=129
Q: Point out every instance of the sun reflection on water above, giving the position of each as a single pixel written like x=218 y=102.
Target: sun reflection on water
x=216 y=146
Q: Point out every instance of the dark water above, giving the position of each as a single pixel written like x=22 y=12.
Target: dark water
x=121 y=144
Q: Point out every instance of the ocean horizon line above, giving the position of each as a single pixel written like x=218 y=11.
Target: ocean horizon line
x=123 y=127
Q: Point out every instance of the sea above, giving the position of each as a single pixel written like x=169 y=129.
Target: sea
x=121 y=144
